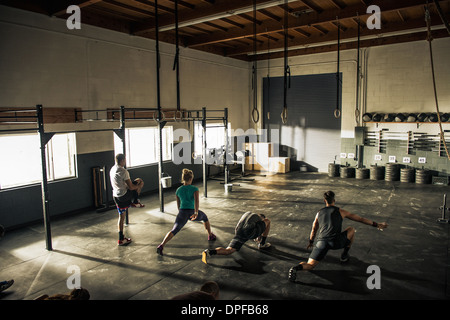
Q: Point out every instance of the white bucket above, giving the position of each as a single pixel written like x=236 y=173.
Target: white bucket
x=228 y=187
x=166 y=182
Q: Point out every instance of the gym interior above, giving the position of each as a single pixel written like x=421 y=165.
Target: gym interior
x=269 y=103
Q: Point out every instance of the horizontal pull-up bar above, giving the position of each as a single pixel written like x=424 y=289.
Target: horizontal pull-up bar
x=18 y=130
x=17 y=110
x=82 y=131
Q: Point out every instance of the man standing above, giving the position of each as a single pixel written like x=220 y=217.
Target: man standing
x=125 y=193
x=250 y=226
x=328 y=223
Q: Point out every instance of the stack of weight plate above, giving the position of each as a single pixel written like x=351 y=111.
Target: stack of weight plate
x=423 y=176
x=347 y=172
x=392 y=172
x=376 y=173
x=407 y=175
x=333 y=170
x=362 y=173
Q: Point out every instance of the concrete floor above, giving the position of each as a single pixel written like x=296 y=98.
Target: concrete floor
x=412 y=254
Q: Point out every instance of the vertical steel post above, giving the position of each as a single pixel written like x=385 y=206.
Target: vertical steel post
x=205 y=183
x=177 y=56
x=124 y=149
x=225 y=122
x=160 y=166
x=44 y=184
x=160 y=125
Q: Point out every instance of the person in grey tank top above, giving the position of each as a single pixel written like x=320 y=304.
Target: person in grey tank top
x=327 y=226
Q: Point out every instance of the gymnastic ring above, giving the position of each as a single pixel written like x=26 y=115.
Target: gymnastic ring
x=178 y=112
x=284 y=116
x=337 y=113
x=253 y=115
x=155 y=116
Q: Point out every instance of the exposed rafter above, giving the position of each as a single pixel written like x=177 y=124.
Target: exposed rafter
x=226 y=27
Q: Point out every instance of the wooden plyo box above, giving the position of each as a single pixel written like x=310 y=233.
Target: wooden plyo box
x=259 y=156
x=279 y=164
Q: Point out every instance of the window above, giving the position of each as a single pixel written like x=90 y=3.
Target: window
x=61 y=156
x=215 y=136
x=142 y=145
x=20 y=163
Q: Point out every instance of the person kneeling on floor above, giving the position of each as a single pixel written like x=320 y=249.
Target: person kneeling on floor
x=251 y=226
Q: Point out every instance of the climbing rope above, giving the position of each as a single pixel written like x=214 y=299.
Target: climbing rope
x=255 y=112
x=337 y=111
x=287 y=70
x=430 y=39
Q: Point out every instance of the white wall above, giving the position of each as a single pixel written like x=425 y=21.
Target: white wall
x=42 y=62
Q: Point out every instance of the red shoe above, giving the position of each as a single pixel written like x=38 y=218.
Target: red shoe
x=137 y=205
x=124 y=242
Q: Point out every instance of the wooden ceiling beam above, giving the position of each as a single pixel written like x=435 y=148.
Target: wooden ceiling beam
x=418 y=36
x=219 y=7
x=349 y=34
x=184 y=4
x=310 y=4
x=129 y=8
x=234 y=23
x=303 y=20
x=61 y=8
x=269 y=14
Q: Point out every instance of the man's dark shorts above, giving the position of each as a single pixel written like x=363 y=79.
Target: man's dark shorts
x=323 y=245
x=243 y=235
x=124 y=202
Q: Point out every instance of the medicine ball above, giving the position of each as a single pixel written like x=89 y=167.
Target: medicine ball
x=388 y=117
x=400 y=117
x=445 y=117
x=422 y=117
x=411 y=118
x=377 y=117
x=433 y=117
x=367 y=117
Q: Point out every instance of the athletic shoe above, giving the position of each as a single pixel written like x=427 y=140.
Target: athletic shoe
x=345 y=257
x=212 y=237
x=292 y=274
x=137 y=205
x=205 y=255
x=5 y=285
x=124 y=242
x=159 y=250
x=264 y=246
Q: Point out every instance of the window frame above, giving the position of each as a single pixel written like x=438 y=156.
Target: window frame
x=155 y=137
x=49 y=161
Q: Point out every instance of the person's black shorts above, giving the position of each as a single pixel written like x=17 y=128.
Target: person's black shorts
x=243 y=235
x=322 y=246
x=124 y=202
